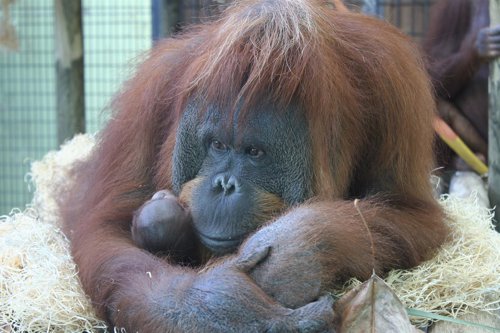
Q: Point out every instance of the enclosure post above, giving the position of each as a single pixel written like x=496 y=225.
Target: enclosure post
x=494 y=123
x=69 y=67
x=165 y=18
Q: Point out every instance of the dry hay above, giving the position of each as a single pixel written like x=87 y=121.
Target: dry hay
x=465 y=274
x=39 y=288
x=51 y=176
x=40 y=291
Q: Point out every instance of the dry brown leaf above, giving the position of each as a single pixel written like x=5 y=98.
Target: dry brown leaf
x=372 y=307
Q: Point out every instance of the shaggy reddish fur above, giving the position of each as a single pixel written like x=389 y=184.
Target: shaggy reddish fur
x=369 y=108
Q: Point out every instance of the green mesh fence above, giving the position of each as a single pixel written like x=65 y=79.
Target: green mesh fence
x=116 y=32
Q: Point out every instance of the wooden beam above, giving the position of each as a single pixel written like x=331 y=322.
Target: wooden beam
x=69 y=68
x=166 y=18
x=494 y=122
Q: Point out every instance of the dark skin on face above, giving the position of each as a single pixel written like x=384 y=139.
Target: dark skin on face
x=459 y=45
x=247 y=176
x=259 y=131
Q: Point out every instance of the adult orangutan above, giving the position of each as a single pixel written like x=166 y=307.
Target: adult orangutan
x=459 y=45
x=261 y=130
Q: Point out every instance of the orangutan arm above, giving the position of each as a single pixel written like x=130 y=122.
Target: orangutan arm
x=318 y=244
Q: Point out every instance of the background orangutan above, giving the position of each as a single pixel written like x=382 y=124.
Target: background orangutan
x=459 y=45
x=262 y=128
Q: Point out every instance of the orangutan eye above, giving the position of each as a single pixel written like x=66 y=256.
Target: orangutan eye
x=217 y=145
x=255 y=152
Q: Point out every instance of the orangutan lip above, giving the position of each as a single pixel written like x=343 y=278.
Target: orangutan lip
x=220 y=244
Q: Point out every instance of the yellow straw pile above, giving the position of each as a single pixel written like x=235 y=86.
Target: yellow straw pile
x=39 y=289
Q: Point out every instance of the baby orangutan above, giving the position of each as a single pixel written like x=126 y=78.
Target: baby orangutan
x=163 y=223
